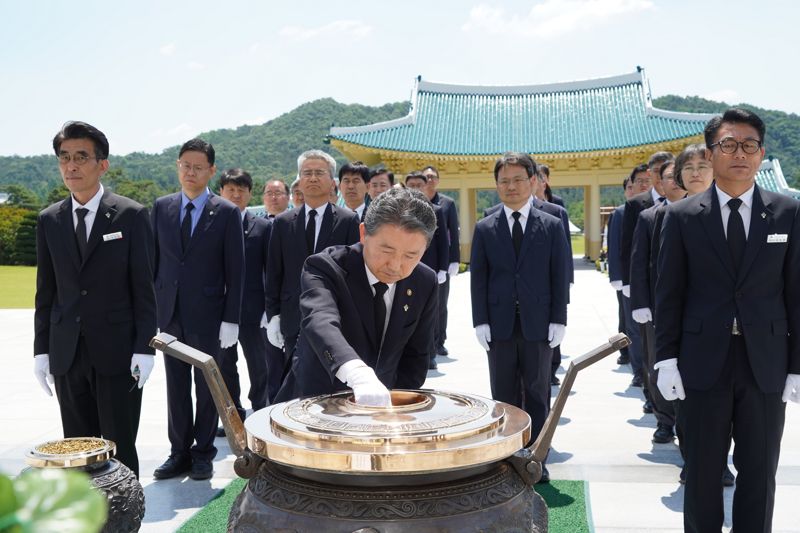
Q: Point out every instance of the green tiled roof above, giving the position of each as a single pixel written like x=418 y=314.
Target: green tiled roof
x=770 y=177
x=600 y=114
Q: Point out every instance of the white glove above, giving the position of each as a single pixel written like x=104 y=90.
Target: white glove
x=366 y=386
x=274 y=332
x=441 y=276
x=626 y=291
x=642 y=315
x=617 y=284
x=484 y=334
x=41 y=369
x=669 y=380
x=792 y=389
x=264 y=320
x=452 y=269
x=555 y=334
x=228 y=334
x=141 y=366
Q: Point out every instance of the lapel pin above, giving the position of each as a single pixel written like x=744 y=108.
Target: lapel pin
x=405 y=308
x=763 y=215
x=108 y=215
x=409 y=292
x=211 y=212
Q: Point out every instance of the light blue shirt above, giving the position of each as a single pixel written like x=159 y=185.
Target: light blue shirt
x=199 y=205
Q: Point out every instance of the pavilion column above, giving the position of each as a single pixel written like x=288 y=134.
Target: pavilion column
x=591 y=219
x=466 y=213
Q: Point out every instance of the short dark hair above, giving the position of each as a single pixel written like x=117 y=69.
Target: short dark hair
x=431 y=167
x=81 y=130
x=515 y=158
x=285 y=185
x=416 y=175
x=625 y=183
x=688 y=153
x=199 y=145
x=379 y=171
x=659 y=158
x=355 y=167
x=408 y=209
x=734 y=115
x=544 y=169
x=236 y=176
x=636 y=170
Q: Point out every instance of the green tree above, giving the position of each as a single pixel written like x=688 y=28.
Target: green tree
x=21 y=196
x=57 y=194
x=25 y=240
x=10 y=219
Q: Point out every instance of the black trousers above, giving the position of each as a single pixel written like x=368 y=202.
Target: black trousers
x=734 y=405
x=190 y=438
x=519 y=374
x=94 y=405
x=663 y=410
x=441 y=325
x=621 y=328
x=254 y=342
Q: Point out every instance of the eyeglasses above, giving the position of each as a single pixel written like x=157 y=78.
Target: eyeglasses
x=729 y=145
x=273 y=194
x=516 y=181
x=318 y=173
x=186 y=167
x=78 y=159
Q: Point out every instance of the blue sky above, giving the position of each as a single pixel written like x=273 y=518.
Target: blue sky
x=154 y=74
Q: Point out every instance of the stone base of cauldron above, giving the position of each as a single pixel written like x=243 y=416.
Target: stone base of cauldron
x=494 y=501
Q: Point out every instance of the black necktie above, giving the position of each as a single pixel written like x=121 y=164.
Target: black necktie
x=80 y=231
x=186 y=226
x=311 y=230
x=736 y=235
x=516 y=232
x=380 y=311
x=661 y=199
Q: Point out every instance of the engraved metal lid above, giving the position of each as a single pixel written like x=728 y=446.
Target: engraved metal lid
x=423 y=431
x=71 y=452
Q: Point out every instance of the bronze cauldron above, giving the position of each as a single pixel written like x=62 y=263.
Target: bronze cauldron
x=433 y=462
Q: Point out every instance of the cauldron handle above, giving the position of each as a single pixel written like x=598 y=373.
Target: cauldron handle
x=528 y=461
x=247 y=462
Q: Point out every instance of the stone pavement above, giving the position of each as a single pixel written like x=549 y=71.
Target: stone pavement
x=603 y=437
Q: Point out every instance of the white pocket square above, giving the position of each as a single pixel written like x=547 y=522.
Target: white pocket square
x=112 y=236
x=777 y=237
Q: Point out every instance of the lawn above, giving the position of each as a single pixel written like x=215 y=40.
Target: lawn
x=17 y=287
x=578 y=245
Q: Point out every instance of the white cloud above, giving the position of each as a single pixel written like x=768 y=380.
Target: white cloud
x=194 y=65
x=181 y=130
x=551 y=17
x=345 y=29
x=168 y=49
x=729 y=96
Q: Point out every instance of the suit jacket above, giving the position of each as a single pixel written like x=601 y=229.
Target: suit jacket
x=450 y=212
x=633 y=207
x=437 y=255
x=287 y=253
x=108 y=296
x=338 y=324
x=206 y=280
x=699 y=291
x=614 y=238
x=537 y=280
x=641 y=282
x=256 y=244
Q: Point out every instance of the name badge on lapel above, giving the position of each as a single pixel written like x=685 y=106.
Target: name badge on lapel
x=777 y=237
x=112 y=236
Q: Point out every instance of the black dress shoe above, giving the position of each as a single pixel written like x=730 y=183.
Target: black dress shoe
x=623 y=359
x=727 y=478
x=432 y=365
x=545 y=476
x=175 y=465
x=682 y=476
x=220 y=431
x=663 y=434
x=637 y=381
x=554 y=381
x=201 y=469
x=442 y=351
x=647 y=408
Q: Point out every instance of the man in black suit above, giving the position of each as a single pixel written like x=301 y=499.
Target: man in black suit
x=368 y=308
x=519 y=287
x=236 y=186
x=450 y=213
x=95 y=305
x=613 y=238
x=199 y=276
x=297 y=234
x=353 y=178
x=727 y=323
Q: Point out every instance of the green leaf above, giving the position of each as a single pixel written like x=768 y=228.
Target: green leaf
x=59 y=501
x=8 y=504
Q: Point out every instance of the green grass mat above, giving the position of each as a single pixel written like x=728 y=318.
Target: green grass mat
x=17 y=287
x=565 y=500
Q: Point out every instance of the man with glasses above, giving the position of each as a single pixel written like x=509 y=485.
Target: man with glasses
x=95 y=305
x=519 y=288
x=297 y=234
x=275 y=198
x=728 y=324
x=199 y=277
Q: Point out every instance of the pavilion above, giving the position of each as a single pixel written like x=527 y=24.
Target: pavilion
x=591 y=133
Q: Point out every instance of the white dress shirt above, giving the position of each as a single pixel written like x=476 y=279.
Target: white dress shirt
x=92 y=205
x=745 y=210
x=321 y=212
x=524 y=212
